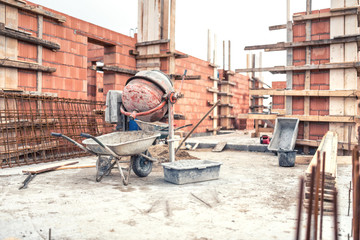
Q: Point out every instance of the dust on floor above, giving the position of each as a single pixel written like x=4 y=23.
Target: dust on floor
x=254 y=198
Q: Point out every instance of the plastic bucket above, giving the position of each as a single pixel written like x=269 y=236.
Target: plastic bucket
x=287 y=158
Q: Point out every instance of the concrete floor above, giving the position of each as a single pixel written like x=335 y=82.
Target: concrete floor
x=253 y=199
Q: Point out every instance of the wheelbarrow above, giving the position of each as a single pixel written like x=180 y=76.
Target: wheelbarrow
x=110 y=148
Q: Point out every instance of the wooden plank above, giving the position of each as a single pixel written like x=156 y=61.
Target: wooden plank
x=47 y=167
x=25 y=65
x=35 y=9
x=227 y=82
x=92 y=38
x=164 y=19
x=172 y=36
x=213 y=90
x=310 y=93
x=277 y=27
x=187 y=77
x=214 y=78
x=113 y=68
x=154 y=42
x=311 y=118
x=219 y=147
x=329 y=145
x=283 y=69
x=338 y=12
x=157 y=55
x=284 y=45
x=11 y=33
x=316 y=143
x=147 y=65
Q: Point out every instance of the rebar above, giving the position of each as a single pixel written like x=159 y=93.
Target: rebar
x=27 y=119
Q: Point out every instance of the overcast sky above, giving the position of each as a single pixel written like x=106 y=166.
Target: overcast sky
x=243 y=22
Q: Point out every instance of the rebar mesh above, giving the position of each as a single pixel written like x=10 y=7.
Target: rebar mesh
x=27 y=120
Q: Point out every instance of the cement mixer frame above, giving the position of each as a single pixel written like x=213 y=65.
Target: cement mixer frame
x=149 y=88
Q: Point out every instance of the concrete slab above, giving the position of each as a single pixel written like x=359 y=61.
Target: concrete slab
x=238 y=140
x=254 y=198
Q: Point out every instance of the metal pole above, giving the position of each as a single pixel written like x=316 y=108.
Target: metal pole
x=171 y=132
x=301 y=196
x=312 y=181
x=193 y=129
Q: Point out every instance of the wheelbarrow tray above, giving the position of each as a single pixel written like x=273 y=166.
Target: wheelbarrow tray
x=285 y=134
x=123 y=143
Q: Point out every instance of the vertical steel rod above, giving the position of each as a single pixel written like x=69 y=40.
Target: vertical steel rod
x=335 y=214
x=301 y=197
x=171 y=132
x=308 y=227
x=316 y=198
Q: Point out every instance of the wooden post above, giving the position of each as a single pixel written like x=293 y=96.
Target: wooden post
x=209 y=46
x=172 y=36
x=289 y=59
x=307 y=76
x=229 y=48
x=254 y=101
x=215 y=86
x=39 y=54
x=224 y=56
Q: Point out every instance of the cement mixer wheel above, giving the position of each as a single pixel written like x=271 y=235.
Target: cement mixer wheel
x=141 y=166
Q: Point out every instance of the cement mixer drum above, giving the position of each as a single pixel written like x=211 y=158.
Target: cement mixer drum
x=145 y=92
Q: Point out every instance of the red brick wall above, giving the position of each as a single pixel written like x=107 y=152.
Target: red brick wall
x=70 y=78
x=278 y=102
x=194 y=104
x=73 y=79
x=240 y=100
x=319 y=80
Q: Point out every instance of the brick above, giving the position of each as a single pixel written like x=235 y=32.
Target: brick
x=320 y=53
x=317 y=130
x=319 y=27
x=27 y=21
x=319 y=80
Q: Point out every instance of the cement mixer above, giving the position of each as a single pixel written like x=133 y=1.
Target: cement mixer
x=147 y=96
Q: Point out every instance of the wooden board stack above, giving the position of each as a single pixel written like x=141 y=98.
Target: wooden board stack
x=329 y=145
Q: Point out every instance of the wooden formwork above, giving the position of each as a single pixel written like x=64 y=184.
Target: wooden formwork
x=342 y=90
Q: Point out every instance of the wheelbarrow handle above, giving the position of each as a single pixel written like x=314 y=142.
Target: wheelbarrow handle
x=72 y=141
x=86 y=135
x=56 y=134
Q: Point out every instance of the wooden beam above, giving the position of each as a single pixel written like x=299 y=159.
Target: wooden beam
x=149 y=56
x=283 y=69
x=97 y=40
x=161 y=55
x=227 y=83
x=284 y=45
x=316 y=143
x=332 y=13
x=309 y=93
x=11 y=33
x=25 y=65
x=155 y=42
x=277 y=27
x=311 y=118
x=187 y=77
x=214 y=78
x=112 y=68
x=35 y=9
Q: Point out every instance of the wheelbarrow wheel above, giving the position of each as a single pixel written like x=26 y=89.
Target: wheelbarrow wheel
x=141 y=166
